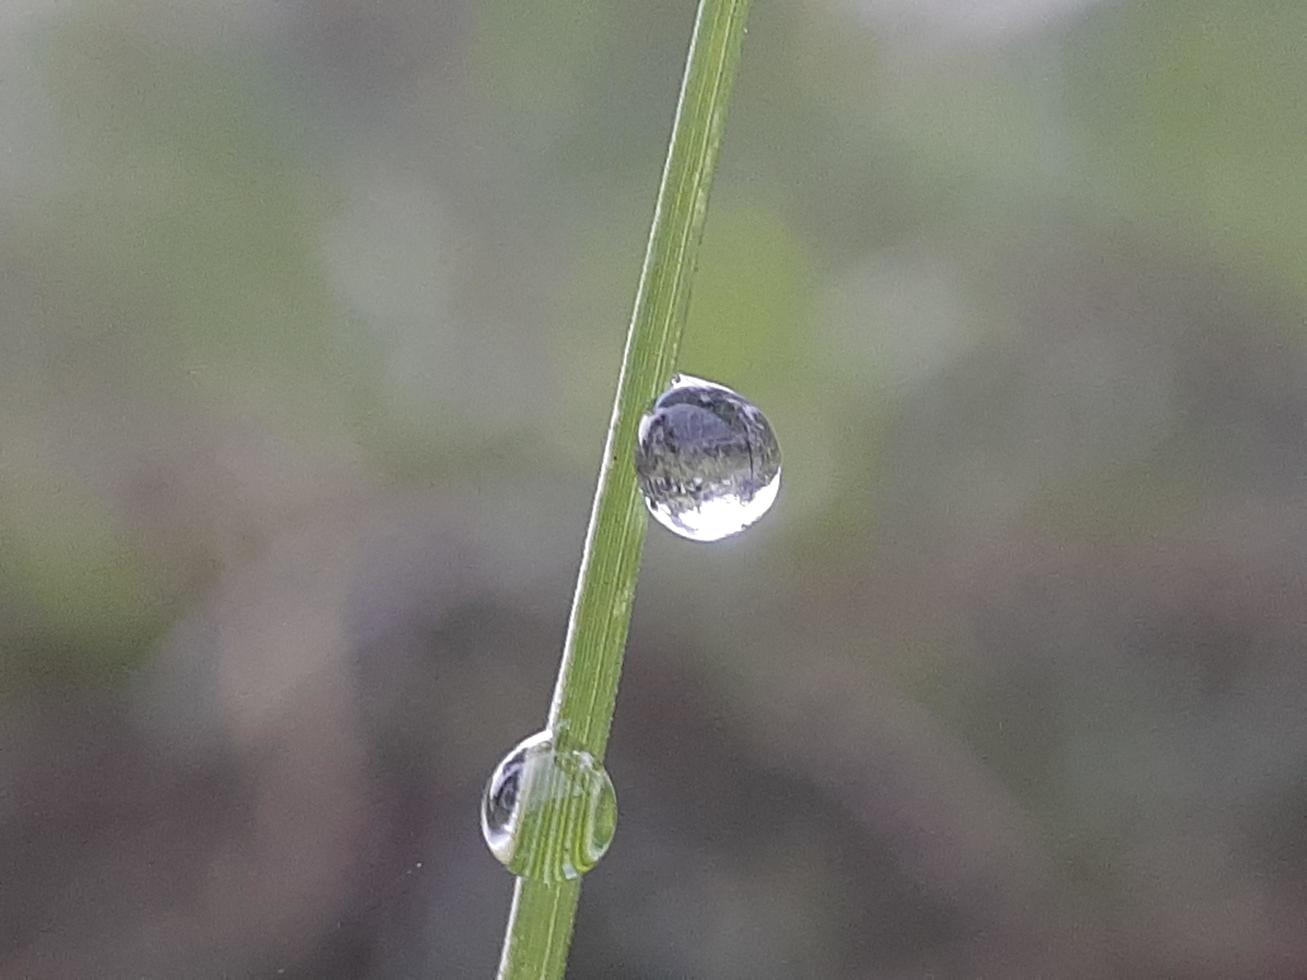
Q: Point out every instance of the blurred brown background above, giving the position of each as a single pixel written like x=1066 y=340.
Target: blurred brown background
x=310 y=315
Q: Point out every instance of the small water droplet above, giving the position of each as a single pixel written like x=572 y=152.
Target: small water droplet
x=707 y=460
x=549 y=813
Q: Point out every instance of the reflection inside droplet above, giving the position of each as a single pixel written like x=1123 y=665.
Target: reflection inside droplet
x=707 y=460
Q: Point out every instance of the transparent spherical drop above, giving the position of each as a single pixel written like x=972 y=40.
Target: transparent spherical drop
x=548 y=813
x=707 y=460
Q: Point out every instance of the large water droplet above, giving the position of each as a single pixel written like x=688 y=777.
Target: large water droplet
x=707 y=460
x=549 y=813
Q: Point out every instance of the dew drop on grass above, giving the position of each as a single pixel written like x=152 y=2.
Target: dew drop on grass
x=548 y=813
x=707 y=460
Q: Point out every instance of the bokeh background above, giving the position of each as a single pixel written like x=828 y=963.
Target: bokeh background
x=310 y=316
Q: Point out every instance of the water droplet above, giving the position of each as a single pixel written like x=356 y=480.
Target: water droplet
x=707 y=460
x=549 y=813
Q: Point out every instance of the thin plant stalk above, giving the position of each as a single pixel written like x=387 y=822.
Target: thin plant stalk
x=540 y=923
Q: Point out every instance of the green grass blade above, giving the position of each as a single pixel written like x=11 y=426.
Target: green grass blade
x=540 y=923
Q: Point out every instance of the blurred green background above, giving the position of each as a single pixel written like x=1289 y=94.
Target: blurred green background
x=310 y=318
